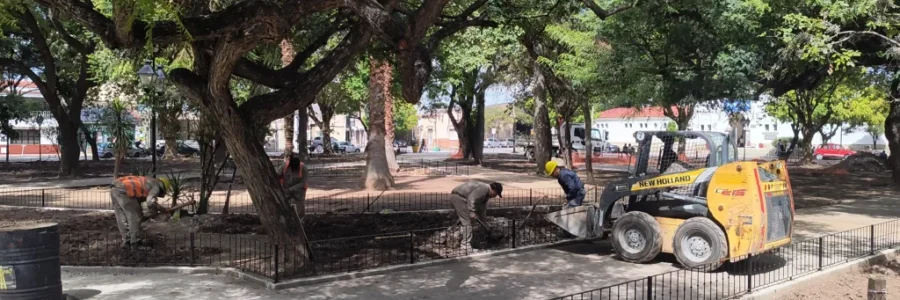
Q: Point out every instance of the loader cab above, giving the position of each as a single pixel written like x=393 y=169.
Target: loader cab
x=664 y=152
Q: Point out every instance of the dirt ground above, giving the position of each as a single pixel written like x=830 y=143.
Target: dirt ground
x=339 y=242
x=851 y=284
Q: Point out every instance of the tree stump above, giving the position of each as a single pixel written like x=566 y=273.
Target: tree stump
x=877 y=288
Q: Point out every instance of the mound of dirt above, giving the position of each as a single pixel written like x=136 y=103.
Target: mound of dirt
x=861 y=162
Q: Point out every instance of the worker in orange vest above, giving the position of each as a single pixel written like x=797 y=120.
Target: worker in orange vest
x=127 y=193
x=293 y=176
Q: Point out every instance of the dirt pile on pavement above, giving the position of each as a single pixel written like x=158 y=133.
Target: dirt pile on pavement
x=849 y=284
x=860 y=162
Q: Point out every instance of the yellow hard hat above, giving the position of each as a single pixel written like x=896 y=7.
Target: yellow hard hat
x=549 y=167
x=165 y=183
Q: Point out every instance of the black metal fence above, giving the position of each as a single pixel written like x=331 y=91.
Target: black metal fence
x=98 y=198
x=756 y=271
x=257 y=255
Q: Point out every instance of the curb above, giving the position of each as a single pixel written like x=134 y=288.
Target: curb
x=268 y=284
x=773 y=292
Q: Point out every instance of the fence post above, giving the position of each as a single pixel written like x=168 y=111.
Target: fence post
x=872 y=239
x=275 y=279
x=821 y=252
x=412 y=246
x=750 y=273
x=192 y=249
x=42 y=198
x=649 y=287
x=530 y=197
x=513 y=233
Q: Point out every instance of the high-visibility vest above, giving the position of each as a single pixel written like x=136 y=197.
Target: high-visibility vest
x=135 y=186
x=299 y=175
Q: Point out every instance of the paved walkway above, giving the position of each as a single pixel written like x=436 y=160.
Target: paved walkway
x=538 y=274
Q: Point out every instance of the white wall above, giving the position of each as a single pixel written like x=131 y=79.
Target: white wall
x=619 y=131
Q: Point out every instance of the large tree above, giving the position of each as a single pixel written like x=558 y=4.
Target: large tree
x=221 y=36
x=54 y=55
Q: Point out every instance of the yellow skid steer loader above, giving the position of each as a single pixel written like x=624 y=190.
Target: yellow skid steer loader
x=690 y=196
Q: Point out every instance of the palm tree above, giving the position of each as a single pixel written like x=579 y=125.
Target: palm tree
x=121 y=130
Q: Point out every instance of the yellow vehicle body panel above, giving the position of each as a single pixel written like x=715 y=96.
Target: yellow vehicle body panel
x=668 y=227
x=737 y=202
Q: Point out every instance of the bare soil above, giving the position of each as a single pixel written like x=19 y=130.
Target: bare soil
x=851 y=284
x=340 y=242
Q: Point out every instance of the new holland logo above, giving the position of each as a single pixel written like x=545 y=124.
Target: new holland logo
x=665 y=181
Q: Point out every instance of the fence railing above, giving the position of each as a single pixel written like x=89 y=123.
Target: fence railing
x=756 y=271
x=257 y=255
x=98 y=198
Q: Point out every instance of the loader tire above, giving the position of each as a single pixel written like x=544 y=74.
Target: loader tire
x=700 y=244
x=637 y=237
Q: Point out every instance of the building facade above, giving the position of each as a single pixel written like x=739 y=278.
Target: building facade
x=761 y=133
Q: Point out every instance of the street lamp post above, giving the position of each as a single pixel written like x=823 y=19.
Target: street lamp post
x=153 y=83
x=745 y=122
x=39 y=120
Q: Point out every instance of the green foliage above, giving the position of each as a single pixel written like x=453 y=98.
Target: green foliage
x=671 y=126
x=406 y=117
x=120 y=127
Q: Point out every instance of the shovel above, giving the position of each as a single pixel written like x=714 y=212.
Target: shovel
x=491 y=238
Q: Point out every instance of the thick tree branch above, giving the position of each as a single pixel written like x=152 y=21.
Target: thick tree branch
x=453 y=27
x=425 y=16
x=301 y=92
x=280 y=78
x=68 y=38
x=200 y=28
x=465 y=14
x=602 y=13
x=40 y=41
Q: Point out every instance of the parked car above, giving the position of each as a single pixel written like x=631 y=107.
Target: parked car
x=491 y=143
x=318 y=141
x=108 y=151
x=610 y=148
x=508 y=143
x=180 y=148
x=832 y=151
x=347 y=147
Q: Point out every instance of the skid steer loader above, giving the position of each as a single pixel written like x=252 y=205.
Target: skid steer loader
x=689 y=195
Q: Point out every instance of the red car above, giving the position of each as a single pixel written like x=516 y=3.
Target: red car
x=832 y=151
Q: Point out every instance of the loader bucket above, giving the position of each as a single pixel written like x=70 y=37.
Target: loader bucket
x=581 y=221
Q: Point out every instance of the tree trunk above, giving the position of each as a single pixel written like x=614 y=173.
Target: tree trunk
x=288 y=134
x=588 y=140
x=325 y=125
x=477 y=142
x=892 y=133
x=568 y=146
x=92 y=142
x=378 y=174
x=806 y=146
x=70 y=152
x=120 y=157
x=302 y=136
x=389 y=121
x=171 y=148
x=542 y=136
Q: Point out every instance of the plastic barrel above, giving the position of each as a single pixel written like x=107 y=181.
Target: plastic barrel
x=29 y=262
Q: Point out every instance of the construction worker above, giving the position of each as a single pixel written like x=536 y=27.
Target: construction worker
x=470 y=202
x=127 y=193
x=569 y=181
x=293 y=176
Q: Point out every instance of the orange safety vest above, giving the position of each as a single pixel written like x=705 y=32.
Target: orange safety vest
x=299 y=174
x=135 y=186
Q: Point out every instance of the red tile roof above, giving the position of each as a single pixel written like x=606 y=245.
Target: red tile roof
x=626 y=112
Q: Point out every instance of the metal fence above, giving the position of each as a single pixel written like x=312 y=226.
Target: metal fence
x=756 y=271
x=257 y=255
x=98 y=198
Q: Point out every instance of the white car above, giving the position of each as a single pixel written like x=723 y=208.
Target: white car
x=508 y=143
x=491 y=143
x=347 y=147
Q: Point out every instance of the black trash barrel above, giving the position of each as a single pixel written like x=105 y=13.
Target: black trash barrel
x=29 y=262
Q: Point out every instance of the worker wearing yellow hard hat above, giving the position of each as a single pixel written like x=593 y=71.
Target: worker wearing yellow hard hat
x=127 y=193
x=568 y=181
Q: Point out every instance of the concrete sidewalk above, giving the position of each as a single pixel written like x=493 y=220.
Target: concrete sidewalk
x=538 y=274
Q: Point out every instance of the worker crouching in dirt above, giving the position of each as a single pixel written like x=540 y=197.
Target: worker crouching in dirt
x=294 y=176
x=569 y=181
x=127 y=193
x=470 y=202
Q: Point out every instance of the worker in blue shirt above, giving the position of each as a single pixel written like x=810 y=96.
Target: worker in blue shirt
x=569 y=181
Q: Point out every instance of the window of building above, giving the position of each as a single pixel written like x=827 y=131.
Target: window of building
x=654 y=125
x=29 y=137
x=767 y=127
x=775 y=127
